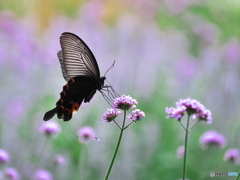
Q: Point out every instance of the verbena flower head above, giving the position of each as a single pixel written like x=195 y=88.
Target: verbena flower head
x=110 y=115
x=192 y=107
x=175 y=112
x=210 y=138
x=85 y=134
x=232 y=155
x=136 y=115
x=59 y=160
x=4 y=157
x=125 y=102
x=180 y=152
x=43 y=174
x=205 y=115
x=50 y=128
x=11 y=174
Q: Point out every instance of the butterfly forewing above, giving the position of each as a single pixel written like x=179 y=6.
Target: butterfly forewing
x=61 y=60
x=78 y=58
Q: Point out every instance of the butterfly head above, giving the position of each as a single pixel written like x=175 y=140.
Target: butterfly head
x=101 y=83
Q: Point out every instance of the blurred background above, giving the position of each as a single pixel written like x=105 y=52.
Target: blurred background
x=164 y=50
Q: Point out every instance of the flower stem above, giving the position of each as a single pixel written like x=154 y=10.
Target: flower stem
x=182 y=125
x=128 y=125
x=193 y=125
x=117 y=124
x=82 y=161
x=117 y=148
x=185 y=148
x=39 y=157
x=238 y=176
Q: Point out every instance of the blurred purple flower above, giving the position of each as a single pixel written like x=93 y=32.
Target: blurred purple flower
x=136 y=115
x=11 y=174
x=146 y=8
x=176 y=7
x=125 y=102
x=8 y=23
x=93 y=6
x=43 y=174
x=19 y=108
x=232 y=51
x=210 y=138
x=18 y=39
x=110 y=115
x=180 y=152
x=207 y=31
x=50 y=128
x=85 y=134
x=186 y=67
x=232 y=155
x=59 y=160
x=4 y=157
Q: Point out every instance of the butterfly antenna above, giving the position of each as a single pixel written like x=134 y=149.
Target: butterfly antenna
x=109 y=68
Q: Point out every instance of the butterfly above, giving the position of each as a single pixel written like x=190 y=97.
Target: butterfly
x=81 y=71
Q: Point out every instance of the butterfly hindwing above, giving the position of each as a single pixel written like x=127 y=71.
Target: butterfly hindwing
x=77 y=90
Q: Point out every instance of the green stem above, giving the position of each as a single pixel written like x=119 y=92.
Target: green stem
x=193 y=125
x=82 y=161
x=117 y=148
x=117 y=124
x=185 y=148
x=39 y=157
x=182 y=125
x=128 y=125
x=238 y=176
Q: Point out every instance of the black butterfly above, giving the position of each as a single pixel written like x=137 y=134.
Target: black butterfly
x=80 y=70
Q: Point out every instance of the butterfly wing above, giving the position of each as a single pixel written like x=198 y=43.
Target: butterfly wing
x=76 y=58
x=61 y=60
x=77 y=90
x=80 y=69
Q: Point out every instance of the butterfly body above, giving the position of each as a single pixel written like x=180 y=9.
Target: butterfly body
x=80 y=70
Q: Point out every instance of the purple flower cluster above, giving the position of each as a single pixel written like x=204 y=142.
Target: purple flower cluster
x=232 y=155
x=212 y=138
x=192 y=107
x=50 y=128
x=59 y=160
x=175 y=112
x=180 y=152
x=11 y=174
x=123 y=103
x=136 y=115
x=110 y=115
x=85 y=134
x=43 y=174
x=4 y=157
